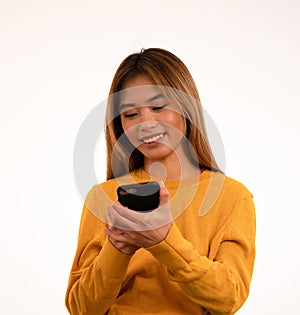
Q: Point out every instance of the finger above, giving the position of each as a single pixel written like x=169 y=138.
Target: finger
x=118 y=217
x=126 y=213
x=113 y=231
x=120 y=238
x=163 y=195
x=116 y=230
x=110 y=216
x=107 y=231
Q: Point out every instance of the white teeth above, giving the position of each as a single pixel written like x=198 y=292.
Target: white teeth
x=153 y=139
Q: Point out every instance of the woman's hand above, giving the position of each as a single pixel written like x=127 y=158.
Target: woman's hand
x=139 y=229
x=114 y=236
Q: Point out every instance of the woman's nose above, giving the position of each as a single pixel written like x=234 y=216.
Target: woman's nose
x=147 y=121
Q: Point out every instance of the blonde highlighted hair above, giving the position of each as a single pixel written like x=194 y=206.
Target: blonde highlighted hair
x=164 y=69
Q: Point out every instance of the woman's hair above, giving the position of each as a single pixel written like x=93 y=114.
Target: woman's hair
x=166 y=70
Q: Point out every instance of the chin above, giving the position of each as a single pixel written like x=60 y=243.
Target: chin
x=157 y=154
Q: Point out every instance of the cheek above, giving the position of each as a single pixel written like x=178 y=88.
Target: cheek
x=131 y=133
x=176 y=121
x=123 y=123
x=127 y=126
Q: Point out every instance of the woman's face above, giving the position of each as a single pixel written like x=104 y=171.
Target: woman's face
x=149 y=120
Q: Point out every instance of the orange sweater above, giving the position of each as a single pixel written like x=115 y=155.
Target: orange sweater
x=204 y=266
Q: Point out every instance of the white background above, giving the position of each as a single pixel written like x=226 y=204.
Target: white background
x=57 y=62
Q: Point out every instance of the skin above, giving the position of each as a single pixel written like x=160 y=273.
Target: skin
x=138 y=230
x=156 y=128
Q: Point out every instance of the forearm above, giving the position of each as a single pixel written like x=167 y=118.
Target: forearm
x=216 y=289
x=218 y=286
x=93 y=289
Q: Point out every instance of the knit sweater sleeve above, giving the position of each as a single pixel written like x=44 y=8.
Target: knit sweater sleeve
x=98 y=268
x=220 y=285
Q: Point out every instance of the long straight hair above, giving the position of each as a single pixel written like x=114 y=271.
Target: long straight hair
x=164 y=69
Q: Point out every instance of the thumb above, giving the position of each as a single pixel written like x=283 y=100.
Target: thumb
x=163 y=194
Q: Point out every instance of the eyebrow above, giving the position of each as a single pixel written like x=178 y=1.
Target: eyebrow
x=151 y=99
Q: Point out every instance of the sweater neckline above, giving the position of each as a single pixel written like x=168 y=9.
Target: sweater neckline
x=142 y=176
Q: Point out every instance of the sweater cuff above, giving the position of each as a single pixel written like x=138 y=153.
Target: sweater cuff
x=113 y=262
x=176 y=253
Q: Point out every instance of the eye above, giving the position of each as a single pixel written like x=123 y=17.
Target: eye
x=159 y=107
x=130 y=113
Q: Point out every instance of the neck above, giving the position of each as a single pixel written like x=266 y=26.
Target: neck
x=171 y=168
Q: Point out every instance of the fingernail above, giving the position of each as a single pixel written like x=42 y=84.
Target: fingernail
x=162 y=184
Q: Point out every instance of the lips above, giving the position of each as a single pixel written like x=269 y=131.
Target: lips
x=153 y=138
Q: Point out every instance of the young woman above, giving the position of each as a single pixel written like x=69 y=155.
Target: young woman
x=194 y=254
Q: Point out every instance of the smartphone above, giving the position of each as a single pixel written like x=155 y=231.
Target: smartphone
x=141 y=197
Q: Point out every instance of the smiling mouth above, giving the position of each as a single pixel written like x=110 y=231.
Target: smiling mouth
x=153 y=138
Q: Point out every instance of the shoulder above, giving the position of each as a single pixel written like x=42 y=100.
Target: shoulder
x=104 y=194
x=109 y=187
x=227 y=199
x=237 y=198
x=99 y=194
x=224 y=190
x=234 y=187
x=224 y=184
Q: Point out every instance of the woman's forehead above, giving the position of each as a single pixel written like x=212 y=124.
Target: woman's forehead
x=139 y=95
